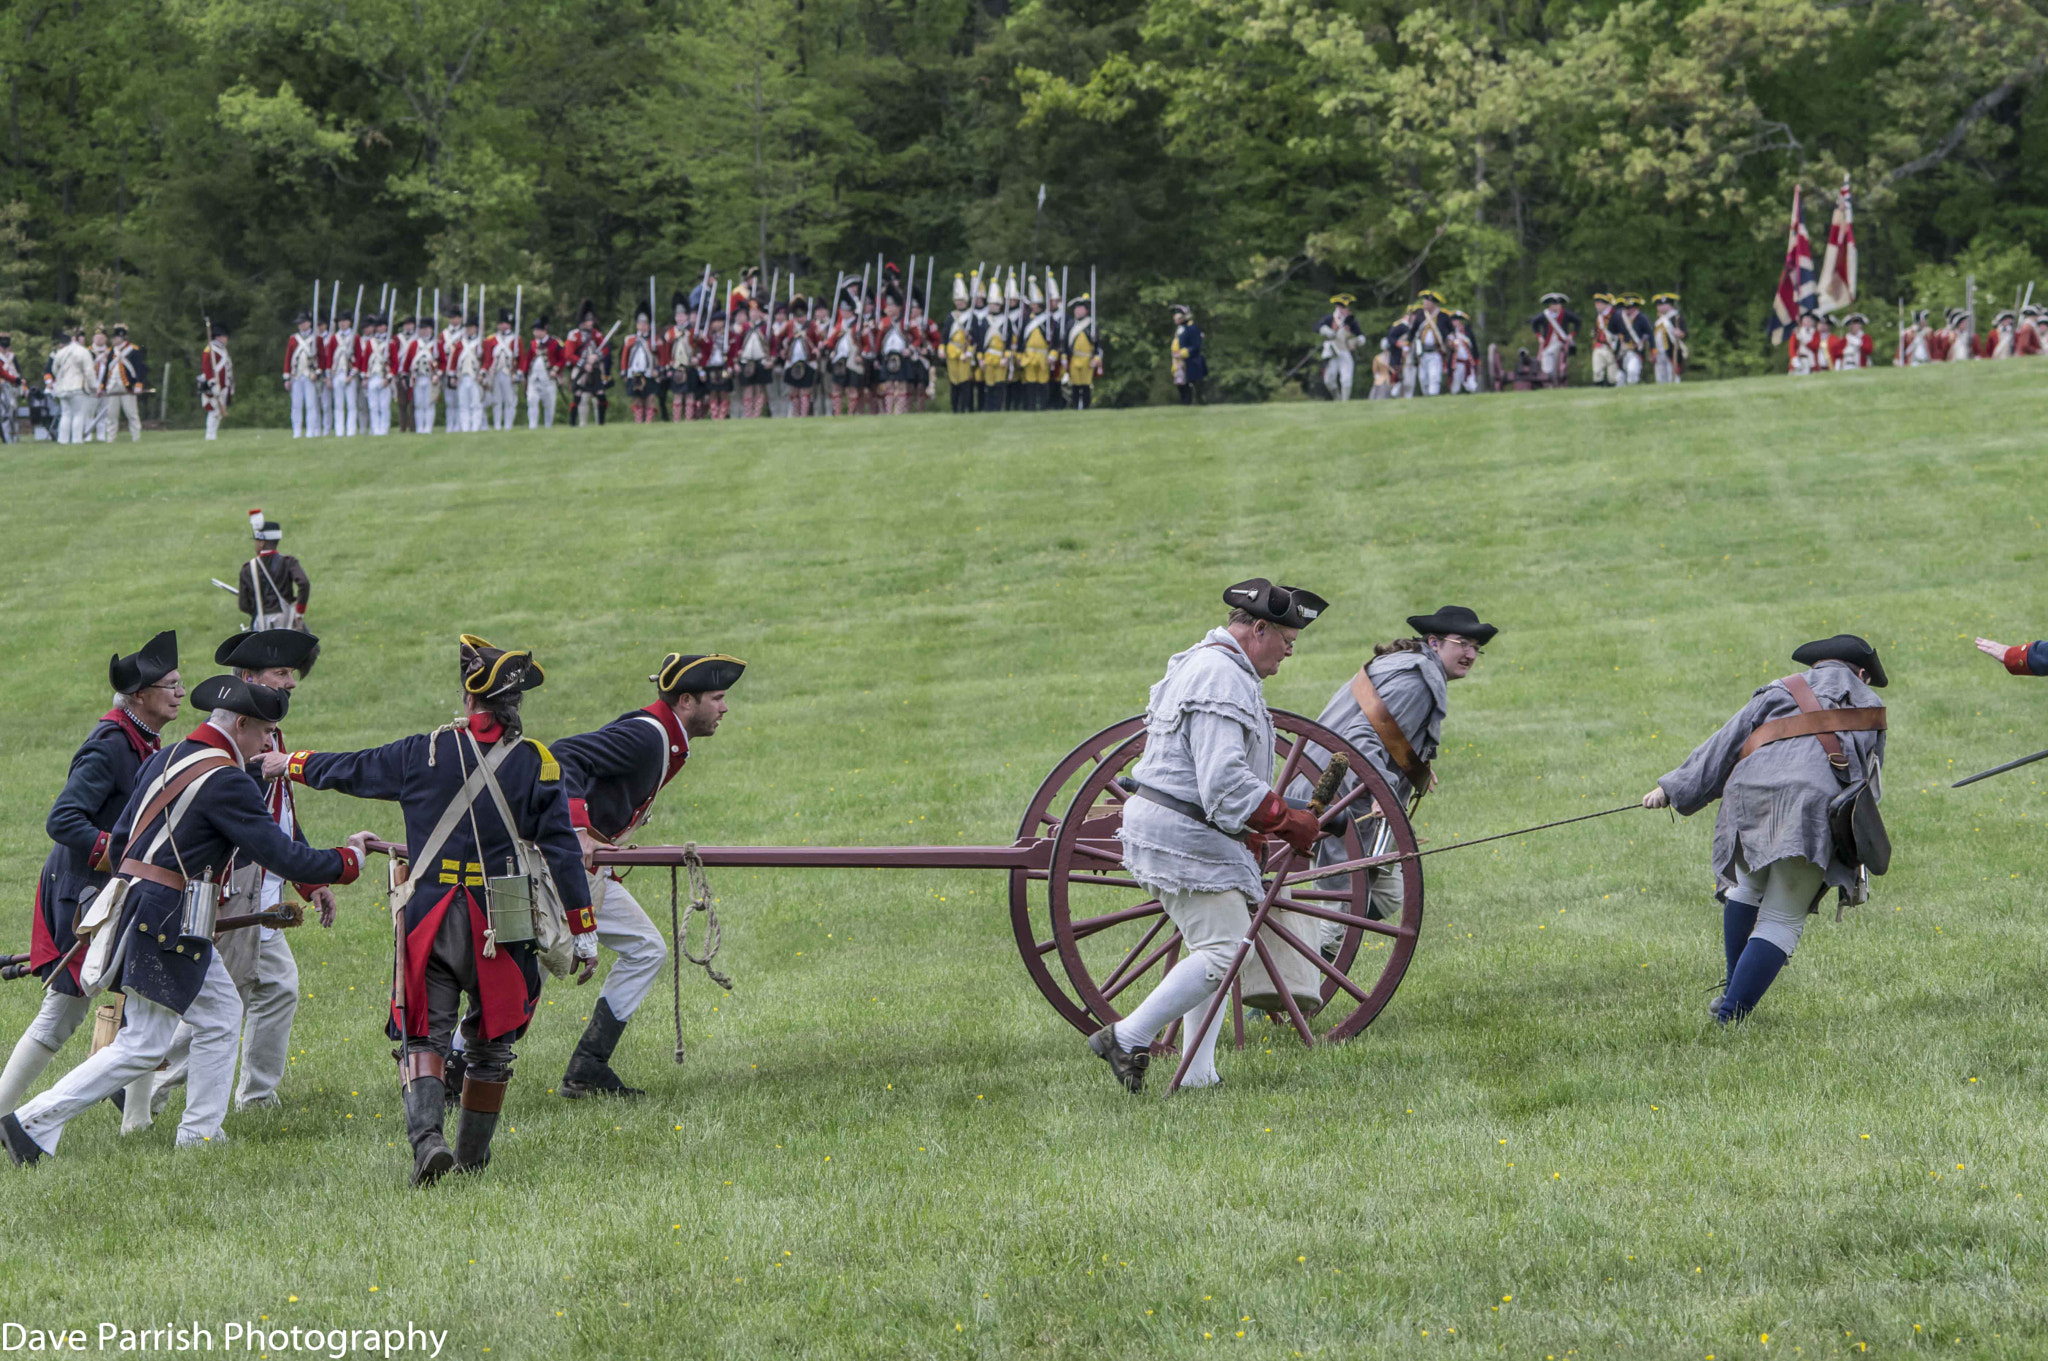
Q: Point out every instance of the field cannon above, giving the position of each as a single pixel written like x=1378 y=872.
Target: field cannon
x=1092 y=939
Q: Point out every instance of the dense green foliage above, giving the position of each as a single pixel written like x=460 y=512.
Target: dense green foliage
x=883 y=1143
x=168 y=160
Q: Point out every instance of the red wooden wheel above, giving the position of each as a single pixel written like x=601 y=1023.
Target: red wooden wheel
x=1114 y=942
x=1030 y=910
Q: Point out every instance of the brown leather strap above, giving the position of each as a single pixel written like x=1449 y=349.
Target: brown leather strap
x=1814 y=721
x=421 y=1063
x=169 y=792
x=155 y=874
x=486 y=1098
x=1391 y=736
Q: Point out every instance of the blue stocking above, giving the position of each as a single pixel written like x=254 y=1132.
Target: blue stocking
x=1753 y=975
x=1738 y=919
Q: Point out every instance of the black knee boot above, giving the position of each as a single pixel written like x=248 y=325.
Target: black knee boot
x=424 y=1105
x=590 y=1067
x=481 y=1102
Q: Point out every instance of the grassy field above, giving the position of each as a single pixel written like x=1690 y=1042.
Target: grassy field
x=883 y=1144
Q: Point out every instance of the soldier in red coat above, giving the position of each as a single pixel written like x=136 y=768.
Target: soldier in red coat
x=216 y=380
x=714 y=368
x=1851 y=349
x=302 y=377
x=541 y=362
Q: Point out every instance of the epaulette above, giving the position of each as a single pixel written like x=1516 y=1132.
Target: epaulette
x=550 y=768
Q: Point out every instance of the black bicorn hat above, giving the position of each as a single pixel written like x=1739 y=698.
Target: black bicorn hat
x=1843 y=647
x=1453 y=619
x=1288 y=606
x=267 y=703
x=696 y=674
x=588 y=311
x=494 y=672
x=261 y=649
x=146 y=666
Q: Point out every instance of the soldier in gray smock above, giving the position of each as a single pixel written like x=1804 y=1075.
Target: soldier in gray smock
x=1405 y=683
x=1202 y=799
x=1774 y=851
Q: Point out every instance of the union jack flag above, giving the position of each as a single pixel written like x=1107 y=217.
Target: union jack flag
x=1838 y=266
x=1797 y=291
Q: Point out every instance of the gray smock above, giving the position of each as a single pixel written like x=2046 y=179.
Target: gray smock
x=1774 y=805
x=1209 y=741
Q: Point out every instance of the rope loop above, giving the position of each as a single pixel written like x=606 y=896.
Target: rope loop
x=679 y=929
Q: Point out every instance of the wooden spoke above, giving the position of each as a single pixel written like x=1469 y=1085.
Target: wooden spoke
x=1315 y=957
x=1296 y=754
x=1362 y=923
x=1143 y=941
x=1172 y=947
x=1293 y=1008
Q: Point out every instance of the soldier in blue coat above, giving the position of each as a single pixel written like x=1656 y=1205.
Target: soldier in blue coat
x=458 y=841
x=147 y=693
x=193 y=810
x=612 y=777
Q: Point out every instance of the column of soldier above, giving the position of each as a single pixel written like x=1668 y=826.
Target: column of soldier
x=870 y=351
x=2017 y=331
x=160 y=913
x=1429 y=350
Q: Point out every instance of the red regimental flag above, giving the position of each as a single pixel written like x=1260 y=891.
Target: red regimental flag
x=1838 y=266
x=1797 y=293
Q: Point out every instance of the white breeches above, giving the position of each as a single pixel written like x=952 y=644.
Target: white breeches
x=540 y=405
x=119 y=405
x=1631 y=367
x=377 y=396
x=1667 y=371
x=305 y=408
x=423 y=405
x=1464 y=376
x=324 y=392
x=1430 y=367
x=1606 y=373
x=1552 y=359
x=1781 y=892
x=1211 y=926
x=469 y=405
x=147 y=1031
x=501 y=401
x=624 y=926
x=1337 y=372
x=344 y=406
x=55 y=1020
x=77 y=412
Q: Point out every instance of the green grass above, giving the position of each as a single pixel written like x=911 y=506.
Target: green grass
x=883 y=1143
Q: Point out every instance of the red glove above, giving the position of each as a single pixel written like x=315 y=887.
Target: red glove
x=1297 y=827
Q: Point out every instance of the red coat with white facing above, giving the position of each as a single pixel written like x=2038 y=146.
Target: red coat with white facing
x=1850 y=351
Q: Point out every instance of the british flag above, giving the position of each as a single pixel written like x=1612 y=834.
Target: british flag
x=1797 y=292
x=1838 y=266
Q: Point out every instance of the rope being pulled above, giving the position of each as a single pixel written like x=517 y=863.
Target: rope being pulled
x=679 y=929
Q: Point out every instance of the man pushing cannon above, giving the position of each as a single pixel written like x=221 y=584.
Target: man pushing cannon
x=476 y=797
x=1203 y=801
x=194 y=809
x=612 y=777
x=1393 y=711
x=1790 y=769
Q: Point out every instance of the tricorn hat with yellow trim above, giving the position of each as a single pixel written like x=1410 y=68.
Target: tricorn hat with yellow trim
x=1430 y=295
x=695 y=674
x=494 y=672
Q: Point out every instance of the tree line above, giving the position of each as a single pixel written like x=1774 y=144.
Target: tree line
x=182 y=159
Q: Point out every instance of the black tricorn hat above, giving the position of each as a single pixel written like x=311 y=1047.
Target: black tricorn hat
x=1453 y=619
x=686 y=673
x=264 y=648
x=155 y=659
x=265 y=702
x=1843 y=647
x=493 y=672
x=1289 y=606
x=303 y=319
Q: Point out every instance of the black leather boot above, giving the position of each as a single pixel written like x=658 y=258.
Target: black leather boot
x=481 y=1102
x=590 y=1067
x=425 y=1108
x=458 y=1068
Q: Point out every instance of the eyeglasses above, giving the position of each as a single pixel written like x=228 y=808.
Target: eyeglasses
x=175 y=687
x=1459 y=640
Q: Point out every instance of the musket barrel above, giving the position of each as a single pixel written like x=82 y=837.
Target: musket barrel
x=1999 y=770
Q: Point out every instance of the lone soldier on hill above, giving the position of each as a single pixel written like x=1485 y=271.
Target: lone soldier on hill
x=1668 y=332
x=612 y=778
x=216 y=380
x=1190 y=364
x=273 y=587
x=1203 y=798
x=1341 y=338
x=1557 y=335
x=1778 y=769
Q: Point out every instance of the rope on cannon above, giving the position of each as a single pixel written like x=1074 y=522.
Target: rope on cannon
x=678 y=924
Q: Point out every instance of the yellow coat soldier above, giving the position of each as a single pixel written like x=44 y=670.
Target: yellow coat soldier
x=1038 y=352
x=960 y=347
x=1083 y=353
x=995 y=352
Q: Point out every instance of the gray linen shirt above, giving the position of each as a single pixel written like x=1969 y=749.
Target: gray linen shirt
x=1209 y=741
x=1412 y=684
x=1774 y=805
